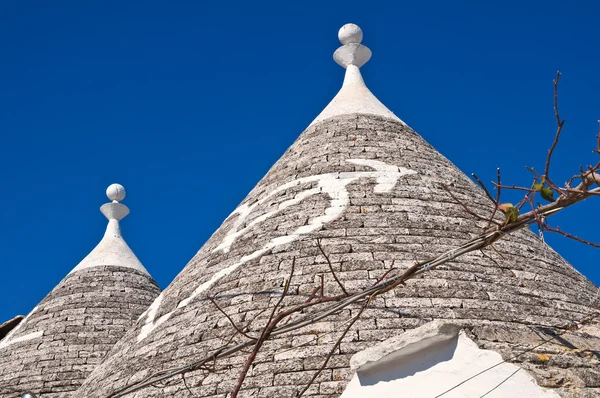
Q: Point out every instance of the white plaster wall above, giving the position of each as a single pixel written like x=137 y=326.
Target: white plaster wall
x=430 y=372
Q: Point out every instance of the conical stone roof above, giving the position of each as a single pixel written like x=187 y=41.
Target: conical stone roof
x=66 y=335
x=369 y=187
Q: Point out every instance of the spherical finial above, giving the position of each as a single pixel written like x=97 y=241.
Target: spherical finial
x=115 y=192
x=350 y=33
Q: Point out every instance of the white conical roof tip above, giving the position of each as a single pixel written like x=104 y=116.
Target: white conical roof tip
x=112 y=249
x=115 y=192
x=354 y=96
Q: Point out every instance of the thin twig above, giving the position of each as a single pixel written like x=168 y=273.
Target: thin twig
x=546 y=179
x=528 y=196
x=465 y=207
x=240 y=331
x=497 y=200
x=493 y=260
x=322 y=285
x=560 y=123
x=482 y=185
x=313 y=294
x=186 y=386
x=514 y=187
x=571 y=236
x=382 y=277
x=263 y=336
x=331 y=267
x=335 y=346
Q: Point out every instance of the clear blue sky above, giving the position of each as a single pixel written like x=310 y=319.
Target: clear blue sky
x=188 y=103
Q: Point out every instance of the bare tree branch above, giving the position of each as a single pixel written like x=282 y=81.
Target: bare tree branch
x=497 y=200
x=487 y=193
x=528 y=196
x=263 y=336
x=571 y=236
x=465 y=207
x=240 y=331
x=560 y=123
x=546 y=179
x=513 y=187
x=186 y=385
x=385 y=274
x=335 y=346
x=313 y=294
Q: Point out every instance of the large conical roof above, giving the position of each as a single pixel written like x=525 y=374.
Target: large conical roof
x=368 y=186
x=65 y=336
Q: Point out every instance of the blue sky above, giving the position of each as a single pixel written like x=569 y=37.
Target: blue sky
x=188 y=103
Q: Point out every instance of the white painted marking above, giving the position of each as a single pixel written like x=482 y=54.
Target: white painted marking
x=150 y=324
x=8 y=339
x=332 y=184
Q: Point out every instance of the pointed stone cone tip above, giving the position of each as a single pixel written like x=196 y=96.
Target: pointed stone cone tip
x=112 y=249
x=354 y=96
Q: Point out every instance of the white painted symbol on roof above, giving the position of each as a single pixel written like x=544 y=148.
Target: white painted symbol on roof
x=332 y=184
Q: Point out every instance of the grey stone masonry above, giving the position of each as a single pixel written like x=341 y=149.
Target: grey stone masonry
x=369 y=188
x=55 y=348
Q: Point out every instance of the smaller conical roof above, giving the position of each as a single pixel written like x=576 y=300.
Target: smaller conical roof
x=112 y=249
x=55 y=347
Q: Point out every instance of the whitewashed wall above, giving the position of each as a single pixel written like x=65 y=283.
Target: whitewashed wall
x=425 y=364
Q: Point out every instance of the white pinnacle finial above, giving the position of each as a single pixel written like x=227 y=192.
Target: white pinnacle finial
x=350 y=33
x=352 y=52
x=115 y=210
x=112 y=249
x=115 y=192
x=354 y=96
